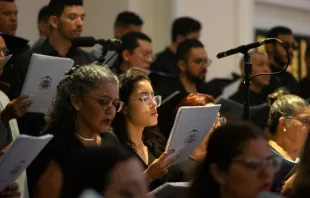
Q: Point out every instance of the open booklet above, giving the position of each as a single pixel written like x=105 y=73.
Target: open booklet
x=90 y=193
x=171 y=190
x=19 y=156
x=190 y=127
x=44 y=74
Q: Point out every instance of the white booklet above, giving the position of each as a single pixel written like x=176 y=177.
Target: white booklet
x=190 y=127
x=19 y=156
x=171 y=190
x=44 y=74
x=90 y=193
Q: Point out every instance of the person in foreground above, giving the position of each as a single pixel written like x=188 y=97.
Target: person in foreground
x=121 y=176
x=239 y=164
x=288 y=126
x=79 y=117
x=134 y=125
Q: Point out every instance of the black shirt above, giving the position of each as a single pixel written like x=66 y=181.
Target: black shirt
x=255 y=98
x=33 y=123
x=166 y=62
x=59 y=149
x=305 y=88
x=284 y=79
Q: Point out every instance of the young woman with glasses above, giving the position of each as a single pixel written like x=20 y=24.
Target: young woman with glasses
x=79 y=117
x=239 y=164
x=135 y=125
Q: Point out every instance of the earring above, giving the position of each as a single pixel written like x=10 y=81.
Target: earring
x=284 y=129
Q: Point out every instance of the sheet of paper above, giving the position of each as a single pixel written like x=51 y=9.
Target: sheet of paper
x=171 y=190
x=44 y=74
x=22 y=152
x=89 y=193
x=190 y=127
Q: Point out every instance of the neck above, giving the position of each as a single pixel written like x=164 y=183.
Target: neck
x=256 y=88
x=124 y=66
x=284 y=147
x=135 y=133
x=189 y=86
x=60 y=44
x=83 y=130
x=173 y=47
x=274 y=63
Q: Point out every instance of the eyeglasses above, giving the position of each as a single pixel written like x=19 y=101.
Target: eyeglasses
x=4 y=51
x=259 y=164
x=207 y=61
x=148 y=100
x=107 y=103
x=288 y=45
x=304 y=120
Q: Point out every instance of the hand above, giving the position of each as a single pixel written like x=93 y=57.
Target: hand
x=16 y=108
x=3 y=151
x=12 y=191
x=160 y=166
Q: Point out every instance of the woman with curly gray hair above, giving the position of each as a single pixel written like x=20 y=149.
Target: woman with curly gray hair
x=79 y=117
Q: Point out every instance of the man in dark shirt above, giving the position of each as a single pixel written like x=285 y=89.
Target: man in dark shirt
x=278 y=59
x=125 y=22
x=182 y=28
x=193 y=63
x=66 y=22
x=305 y=82
x=260 y=65
x=8 y=17
x=136 y=52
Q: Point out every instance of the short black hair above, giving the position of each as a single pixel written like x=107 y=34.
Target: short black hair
x=185 y=46
x=128 y=18
x=56 y=7
x=278 y=30
x=307 y=53
x=184 y=26
x=7 y=1
x=130 y=40
x=43 y=14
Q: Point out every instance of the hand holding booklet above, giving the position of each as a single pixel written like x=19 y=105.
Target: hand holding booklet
x=191 y=125
x=19 y=156
x=44 y=74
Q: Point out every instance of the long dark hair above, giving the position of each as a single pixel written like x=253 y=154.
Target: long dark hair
x=224 y=145
x=61 y=115
x=151 y=135
x=91 y=168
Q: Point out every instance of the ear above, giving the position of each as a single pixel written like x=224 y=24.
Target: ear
x=53 y=21
x=125 y=110
x=180 y=38
x=283 y=124
x=117 y=32
x=126 y=55
x=76 y=102
x=218 y=176
x=182 y=65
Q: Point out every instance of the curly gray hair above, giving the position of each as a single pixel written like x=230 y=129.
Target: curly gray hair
x=61 y=115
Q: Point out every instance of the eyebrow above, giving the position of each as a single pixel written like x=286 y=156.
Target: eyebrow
x=146 y=93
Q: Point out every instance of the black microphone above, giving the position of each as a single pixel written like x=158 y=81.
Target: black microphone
x=89 y=41
x=245 y=48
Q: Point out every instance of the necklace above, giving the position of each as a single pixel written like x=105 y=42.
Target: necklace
x=86 y=139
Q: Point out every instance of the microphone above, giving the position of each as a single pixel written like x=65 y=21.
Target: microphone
x=247 y=47
x=89 y=41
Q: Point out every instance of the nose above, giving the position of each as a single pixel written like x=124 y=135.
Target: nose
x=267 y=68
x=80 y=21
x=149 y=59
x=266 y=172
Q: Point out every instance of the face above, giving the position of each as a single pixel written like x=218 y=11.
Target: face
x=122 y=30
x=95 y=111
x=8 y=18
x=260 y=64
x=43 y=28
x=195 y=67
x=141 y=109
x=141 y=56
x=296 y=129
x=245 y=171
x=134 y=185
x=70 y=23
x=279 y=53
x=3 y=47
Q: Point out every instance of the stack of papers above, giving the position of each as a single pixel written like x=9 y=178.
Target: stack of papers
x=171 y=190
x=19 y=156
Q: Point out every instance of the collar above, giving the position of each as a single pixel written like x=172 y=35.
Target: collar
x=49 y=50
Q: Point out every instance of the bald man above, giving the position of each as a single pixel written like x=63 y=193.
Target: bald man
x=258 y=95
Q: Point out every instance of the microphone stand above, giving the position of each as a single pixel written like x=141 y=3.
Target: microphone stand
x=104 y=52
x=247 y=82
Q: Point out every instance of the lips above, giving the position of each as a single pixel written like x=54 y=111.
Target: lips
x=265 y=187
x=154 y=113
x=107 y=121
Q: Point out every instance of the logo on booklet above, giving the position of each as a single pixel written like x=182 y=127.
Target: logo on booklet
x=18 y=167
x=45 y=82
x=192 y=136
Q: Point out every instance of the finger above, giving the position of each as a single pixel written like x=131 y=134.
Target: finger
x=24 y=105
x=165 y=154
x=13 y=186
x=171 y=161
x=20 y=98
x=10 y=193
